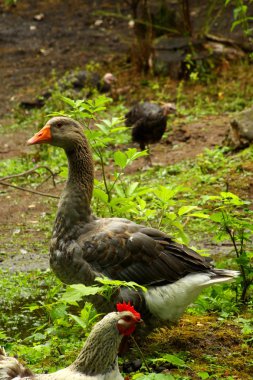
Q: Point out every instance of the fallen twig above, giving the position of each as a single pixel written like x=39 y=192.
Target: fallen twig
x=28 y=190
x=27 y=172
x=45 y=180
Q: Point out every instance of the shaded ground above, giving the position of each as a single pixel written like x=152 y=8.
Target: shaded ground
x=215 y=347
x=65 y=38
x=45 y=36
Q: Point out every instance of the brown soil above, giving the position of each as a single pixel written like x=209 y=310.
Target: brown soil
x=215 y=347
x=65 y=38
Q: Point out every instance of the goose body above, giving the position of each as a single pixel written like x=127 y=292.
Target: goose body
x=84 y=247
x=98 y=358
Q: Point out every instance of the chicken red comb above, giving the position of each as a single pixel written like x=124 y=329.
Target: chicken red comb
x=128 y=307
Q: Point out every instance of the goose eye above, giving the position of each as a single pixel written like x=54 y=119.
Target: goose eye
x=59 y=125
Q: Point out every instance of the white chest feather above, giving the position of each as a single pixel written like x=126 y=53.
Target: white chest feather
x=168 y=302
x=66 y=374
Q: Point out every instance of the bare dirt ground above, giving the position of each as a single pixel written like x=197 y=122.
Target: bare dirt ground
x=66 y=37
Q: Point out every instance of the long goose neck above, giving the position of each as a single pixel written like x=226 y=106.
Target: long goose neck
x=99 y=354
x=74 y=205
x=81 y=171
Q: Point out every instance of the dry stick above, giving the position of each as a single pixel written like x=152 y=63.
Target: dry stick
x=29 y=190
x=141 y=353
x=31 y=171
x=45 y=180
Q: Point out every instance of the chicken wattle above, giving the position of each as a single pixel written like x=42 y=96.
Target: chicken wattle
x=98 y=358
x=84 y=247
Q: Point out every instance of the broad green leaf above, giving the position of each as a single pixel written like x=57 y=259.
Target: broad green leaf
x=64 y=172
x=79 y=321
x=34 y=307
x=168 y=358
x=77 y=291
x=121 y=199
x=142 y=204
x=130 y=284
x=133 y=154
x=217 y=217
x=118 y=129
x=137 y=376
x=164 y=194
x=231 y=198
x=157 y=376
x=3 y=335
x=58 y=311
x=200 y=215
x=185 y=209
x=101 y=195
x=203 y=375
x=171 y=215
x=120 y=159
x=68 y=101
x=103 y=128
x=131 y=188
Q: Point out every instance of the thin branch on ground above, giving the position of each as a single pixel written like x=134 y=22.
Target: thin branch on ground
x=29 y=190
x=27 y=172
x=46 y=179
x=141 y=353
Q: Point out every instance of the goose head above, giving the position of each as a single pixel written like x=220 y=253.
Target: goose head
x=63 y=132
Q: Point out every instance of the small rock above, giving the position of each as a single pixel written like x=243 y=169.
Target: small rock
x=33 y=27
x=39 y=17
x=98 y=22
x=131 y=24
x=240 y=134
x=44 y=51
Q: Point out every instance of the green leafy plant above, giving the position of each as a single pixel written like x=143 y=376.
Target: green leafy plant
x=10 y=3
x=234 y=221
x=241 y=16
x=153 y=376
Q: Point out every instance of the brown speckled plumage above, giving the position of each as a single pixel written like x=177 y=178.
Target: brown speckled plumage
x=98 y=357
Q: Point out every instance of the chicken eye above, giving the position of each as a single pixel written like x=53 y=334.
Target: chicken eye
x=127 y=318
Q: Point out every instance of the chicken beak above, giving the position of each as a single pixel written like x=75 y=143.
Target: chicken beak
x=43 y=136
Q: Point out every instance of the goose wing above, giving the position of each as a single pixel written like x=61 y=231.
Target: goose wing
x=131 y=252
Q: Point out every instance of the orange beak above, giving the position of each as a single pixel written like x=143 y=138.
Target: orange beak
x=43 y=136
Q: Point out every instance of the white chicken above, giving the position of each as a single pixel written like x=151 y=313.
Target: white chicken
x=98 y=358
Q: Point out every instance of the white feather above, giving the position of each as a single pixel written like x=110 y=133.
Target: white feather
x=168 y=302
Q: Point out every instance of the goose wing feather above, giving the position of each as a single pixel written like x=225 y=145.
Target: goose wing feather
x=131 y=252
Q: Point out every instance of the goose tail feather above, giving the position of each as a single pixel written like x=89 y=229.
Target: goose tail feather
x=223 y=275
